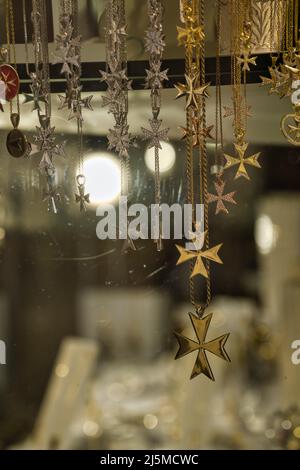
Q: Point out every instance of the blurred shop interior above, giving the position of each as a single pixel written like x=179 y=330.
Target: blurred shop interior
x=88 y=327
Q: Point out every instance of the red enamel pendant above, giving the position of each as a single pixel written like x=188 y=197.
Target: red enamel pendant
x=11 y=79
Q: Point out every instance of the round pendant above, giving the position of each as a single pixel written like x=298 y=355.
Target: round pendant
x=290 y=127
x=16 y=143
x=10 y=77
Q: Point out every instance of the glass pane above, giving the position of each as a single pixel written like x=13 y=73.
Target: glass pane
x=59 y=281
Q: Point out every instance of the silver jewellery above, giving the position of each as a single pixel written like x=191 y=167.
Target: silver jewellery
x=68 y=53
x=41 y=97
x=155 y=45
x=118 y=84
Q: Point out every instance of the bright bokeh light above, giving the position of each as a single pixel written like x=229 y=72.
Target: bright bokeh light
x=266 y=234
x=103 y=177
x=167 y=158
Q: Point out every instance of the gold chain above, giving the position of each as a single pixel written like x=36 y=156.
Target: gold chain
x=240 y=15
x=10 y=38
x=296 y=20
x=193 y=17
x=219 y=121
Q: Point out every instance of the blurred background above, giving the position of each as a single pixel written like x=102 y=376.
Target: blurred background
x=88 y=328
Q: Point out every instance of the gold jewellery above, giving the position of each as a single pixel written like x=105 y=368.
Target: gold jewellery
x=284 y=73
x=195 y=90
x=241 y=60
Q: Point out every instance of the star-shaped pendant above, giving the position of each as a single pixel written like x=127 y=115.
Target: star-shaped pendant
x=220 y=198
x=111 y=99
x=192 y=35
x=210 y=254
x=199 y=132
x=156 y=76
x=75 y=103
x=81 y=198
x=35 y=98
x=186 y=133
x=45 y=140
x=229 y=112
x=246 y=60
x=116 y=77
x=38 y=94
x=67 y=46
x=155 y=135
x=279 y=81
x=45 y=137
x=117 y=32
x=206 y=132
x=154 y=41
x=242 y=161
x=215 y=346
x=191 y=91
x=272 y=81
x=67 y=59
x=82 y=103
x=119 y=139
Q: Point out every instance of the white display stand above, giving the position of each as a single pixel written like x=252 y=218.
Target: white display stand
x=65 y=395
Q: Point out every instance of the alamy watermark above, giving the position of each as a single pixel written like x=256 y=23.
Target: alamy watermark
x=295 y=358
x=2 y=353
x=140 y=222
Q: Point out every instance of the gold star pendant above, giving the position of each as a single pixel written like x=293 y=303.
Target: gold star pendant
x=206 y=132
x=242 y=161
x=245 y=61
x=228 y=111
x=272 y=81
x=216 y=346
x=191 y=91
x=191 y=35
x=198 y=132
x=220 y=198
x=210 y=254
x=279 y=81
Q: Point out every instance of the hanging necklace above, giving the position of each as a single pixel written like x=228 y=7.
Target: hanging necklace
x=240 y=62
x=155 y=45
x=195 y=90
x=16 y=142
x=68 y=53
x=116 y=99
x=284 y=77
x=45 y=138
x=290 y=123
x=36 y=97
x=220 y=197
